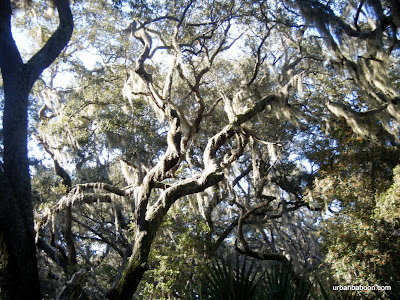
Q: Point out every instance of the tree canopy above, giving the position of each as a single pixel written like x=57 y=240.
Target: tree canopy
x=167 y=132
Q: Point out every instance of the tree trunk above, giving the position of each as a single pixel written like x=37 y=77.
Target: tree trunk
x=137 y=266
x=17 y=234
x=18 y=252
x=18 y=261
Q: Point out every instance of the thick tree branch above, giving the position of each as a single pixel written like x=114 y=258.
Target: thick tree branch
x=193 y=185
x=215 y=143
x=53 y=47
x=53 y=253
x=71 y=286
x=71 y=200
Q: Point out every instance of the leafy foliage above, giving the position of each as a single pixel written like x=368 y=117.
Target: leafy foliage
x=351 y=183
x=171 y=129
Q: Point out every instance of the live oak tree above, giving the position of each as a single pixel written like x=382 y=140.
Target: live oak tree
x=200 y=118
x=196 y=109
x=18 y=251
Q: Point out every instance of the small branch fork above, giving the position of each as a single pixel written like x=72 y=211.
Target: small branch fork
x=262 y=209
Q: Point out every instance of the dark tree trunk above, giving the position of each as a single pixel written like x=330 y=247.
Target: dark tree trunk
x=18 y=263
x=18 y=253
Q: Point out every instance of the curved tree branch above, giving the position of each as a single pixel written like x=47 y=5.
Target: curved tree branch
x=53 y=47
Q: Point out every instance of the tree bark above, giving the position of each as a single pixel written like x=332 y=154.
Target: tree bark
x=19 y=272
x=148 y=219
